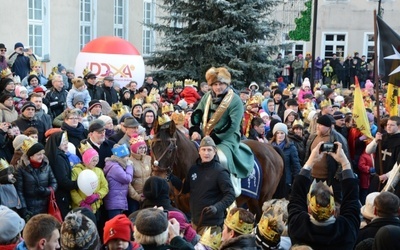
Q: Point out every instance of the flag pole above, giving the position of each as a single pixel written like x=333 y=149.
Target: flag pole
x=376 y=80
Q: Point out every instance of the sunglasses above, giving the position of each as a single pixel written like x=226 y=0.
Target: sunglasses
x=3 y=50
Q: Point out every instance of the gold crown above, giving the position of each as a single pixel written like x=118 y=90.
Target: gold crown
x=137 y=101
x=153 y=91
x=27 y=144
x=136 y=139
x=325 y=103
x=86 y=71
x=3 y=164
x=36 y=63
x=116 y=106
x=271 y=227
x=54 y=70
x=211 y=240
x=169 y=85
x=151 y=98
x=123 y=110
x=333 y=82
x=291 y=86
x=189 y=82
x=85 y=145
x=345 y=110
x=178 y=84
x=328 y=61
x=254 y=100
x=235 y=223
x=167 y=107
x=178 y=117
x=273 y=84
x=5 y=72
x=317 y=86
x=163 y=119
x=321 y=213
x=298 y=122
x=33 y=73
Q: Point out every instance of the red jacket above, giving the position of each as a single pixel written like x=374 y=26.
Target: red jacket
x=190 y=95
x=364 y=164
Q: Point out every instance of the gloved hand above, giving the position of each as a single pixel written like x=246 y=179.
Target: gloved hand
x=26 y=214
x=92 y=198
x=372 y=171
x=212 y=210
x=84 y=204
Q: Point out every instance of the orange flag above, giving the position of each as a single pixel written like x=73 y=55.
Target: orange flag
x=359 y=112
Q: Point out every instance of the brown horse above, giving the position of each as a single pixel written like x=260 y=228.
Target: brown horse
x=173 y=152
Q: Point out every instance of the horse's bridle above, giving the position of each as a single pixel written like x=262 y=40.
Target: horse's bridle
x=171 y=146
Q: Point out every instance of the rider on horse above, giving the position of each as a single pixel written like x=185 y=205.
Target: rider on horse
x=219 y=114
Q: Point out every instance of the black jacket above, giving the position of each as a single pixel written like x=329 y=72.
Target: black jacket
x=57 y=100
x=28 y=182
x=110 y=95
x=372 y=228
x=104 y=151
x=342 y=233
x=247 y=241
x=217 y=192
x=23 y=123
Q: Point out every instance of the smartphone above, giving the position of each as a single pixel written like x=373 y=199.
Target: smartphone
x=328 y=147
x=25 y=49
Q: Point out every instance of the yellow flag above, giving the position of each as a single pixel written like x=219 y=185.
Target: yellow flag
x=359 y=112
x=392 y=99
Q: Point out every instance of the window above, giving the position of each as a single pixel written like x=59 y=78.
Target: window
x=120 y=22
x=148 y=33
x=38 y=28
x=369 y=45
x=334 y=43
x=295 y=49
x=86 y=22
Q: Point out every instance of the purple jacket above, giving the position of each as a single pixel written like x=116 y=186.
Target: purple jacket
x=118 y=180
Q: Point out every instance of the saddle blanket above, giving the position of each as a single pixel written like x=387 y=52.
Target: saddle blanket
x=251 y=185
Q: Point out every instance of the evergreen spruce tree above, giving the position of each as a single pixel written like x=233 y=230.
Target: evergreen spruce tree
x=199 y=34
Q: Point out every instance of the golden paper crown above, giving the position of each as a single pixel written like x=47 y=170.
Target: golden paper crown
x=86 y=71
x=123 y=110
x=169 y=85
x=85 y=145
x=54 y=70
x=33 y=73
x=254 y=100
x=319 y=212
x=136 y=139
x=189 y=82
x=163 y=119
x=327 y=61
x=211 y=240
x=317 y=86
x=116 y=106
x=345 y=110
x=167 y=107
x=334 y=82
x=273 y=84
x=325 y=103
x=286 y=92
x=27 y=144
x=298 y=122
x=151 y=98
x=235 y=223
x=178 y=117
x=137 y=101
x=5 y=72
x=51 y=75
x=3 y=164
x=36 y=63
x=178 y=84
x=291 y=86
x=271 y=227
x=153 y=91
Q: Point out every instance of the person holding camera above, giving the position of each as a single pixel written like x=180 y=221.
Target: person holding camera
x=313 y=219
x=20 y=60
x=326 y=168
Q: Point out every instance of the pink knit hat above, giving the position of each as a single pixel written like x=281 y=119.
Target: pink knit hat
x=136 y=141
x=184 y=226
x=88 y=155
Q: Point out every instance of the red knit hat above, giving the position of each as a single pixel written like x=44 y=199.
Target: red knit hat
x=119 y=227
x=136 y=141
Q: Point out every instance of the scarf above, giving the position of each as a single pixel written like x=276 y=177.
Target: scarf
x=77 y=132
x=218 y=99
x=109 y=132
x=35 y=164
x=280 y=145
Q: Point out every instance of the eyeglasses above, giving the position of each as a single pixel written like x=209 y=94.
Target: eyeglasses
x=3 y=50
x=73 y=118
x=142 y=147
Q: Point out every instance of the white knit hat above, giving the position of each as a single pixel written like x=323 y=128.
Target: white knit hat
x=280 y=127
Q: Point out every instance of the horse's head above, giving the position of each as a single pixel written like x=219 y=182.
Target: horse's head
x=164 y=147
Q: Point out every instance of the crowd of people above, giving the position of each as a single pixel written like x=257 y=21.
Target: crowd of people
x=55 y=129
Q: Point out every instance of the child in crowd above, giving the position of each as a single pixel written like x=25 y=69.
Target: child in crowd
x=78 y=88
x=21 y=96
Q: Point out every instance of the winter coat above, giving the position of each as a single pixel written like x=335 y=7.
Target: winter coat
x=74 y=92
x=95 y=92
x=23 y=123
x=190 y=95
x=142 y=171
x=7 y=114
x=370 y=230
x=110 y=95
x=28 y=181
x=104 y=151
x=78 y=196
x=300 y=145
x=119 y=176
x=291 y=160
x=245 y=241
x=177 y=243
x=75 y=135
x=301 y=94
x=57 y=101
x=364 y=164
x=45 y=118
x=20 y=64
